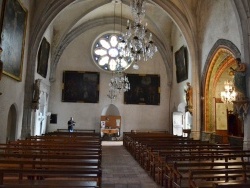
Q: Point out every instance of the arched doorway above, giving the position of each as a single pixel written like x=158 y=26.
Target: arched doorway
x=110 y=123
x=217 y=115
x=11 y=126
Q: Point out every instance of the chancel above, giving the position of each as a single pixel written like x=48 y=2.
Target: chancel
x=159 y=91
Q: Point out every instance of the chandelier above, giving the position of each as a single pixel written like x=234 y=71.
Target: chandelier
x=136 y=44
x=118 y=83
x=112 y=93
x=229 y=94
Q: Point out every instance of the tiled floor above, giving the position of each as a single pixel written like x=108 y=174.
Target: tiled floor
x=120 y=170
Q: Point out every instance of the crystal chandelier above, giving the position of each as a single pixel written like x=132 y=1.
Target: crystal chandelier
x=112 y=93
x=118 y=83
x=136 y=44
x=229 y=94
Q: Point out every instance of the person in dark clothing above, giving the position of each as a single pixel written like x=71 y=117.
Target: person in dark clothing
x=71 y=124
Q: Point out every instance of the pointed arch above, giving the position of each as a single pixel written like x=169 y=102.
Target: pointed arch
x=221 y=56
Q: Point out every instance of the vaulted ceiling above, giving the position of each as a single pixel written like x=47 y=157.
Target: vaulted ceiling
x=74 y=17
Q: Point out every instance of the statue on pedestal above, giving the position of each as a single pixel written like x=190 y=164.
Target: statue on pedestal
x=241 y=104
x=189 y=98
x=36 y=94
x=240 y=79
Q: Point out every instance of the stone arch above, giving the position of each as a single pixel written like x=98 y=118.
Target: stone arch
x=221 y=56
x=50 y=11
x=110 y=109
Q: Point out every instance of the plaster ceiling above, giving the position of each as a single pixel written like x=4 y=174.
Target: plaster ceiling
x=80 y=12
x=163 y=18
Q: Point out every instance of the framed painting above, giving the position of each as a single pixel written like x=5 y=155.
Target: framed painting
x=80 y=87
x=1 y=14
x=43 y=57
x=144 y=89
x=13 y=38
x=221 y=116
x=181 y=62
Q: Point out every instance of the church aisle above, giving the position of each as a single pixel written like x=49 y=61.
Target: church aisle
x=120 y=170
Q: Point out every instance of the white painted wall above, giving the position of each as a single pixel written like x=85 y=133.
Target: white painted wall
x=216 y=20
x=178 y=93
x=12 y=90
x=87 y=115
x=39 y=117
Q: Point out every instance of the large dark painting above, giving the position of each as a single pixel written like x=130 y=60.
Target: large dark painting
x=1 y=14
x=181 y=62
x=43 y=57
x=144 y=89
x=80 y=87
x=13 y=38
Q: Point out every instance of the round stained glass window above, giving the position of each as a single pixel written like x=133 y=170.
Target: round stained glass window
x=106 y=53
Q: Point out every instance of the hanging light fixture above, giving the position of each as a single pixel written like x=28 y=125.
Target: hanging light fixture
x=119 y=82
x=112 y=93
x=229 y=94
x=136 y=44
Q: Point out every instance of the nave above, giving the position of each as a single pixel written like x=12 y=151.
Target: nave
x=121 y=170
x=141 y=160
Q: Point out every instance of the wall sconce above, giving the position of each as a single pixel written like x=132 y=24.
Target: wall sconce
x=241 y=107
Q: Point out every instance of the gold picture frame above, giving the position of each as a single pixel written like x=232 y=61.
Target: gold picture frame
x=13 y=38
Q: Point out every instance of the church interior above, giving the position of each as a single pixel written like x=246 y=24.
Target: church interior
x=153 y=75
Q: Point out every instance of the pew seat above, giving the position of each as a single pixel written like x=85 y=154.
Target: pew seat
x=238 y=184
x=207 y=178
x=48 y=183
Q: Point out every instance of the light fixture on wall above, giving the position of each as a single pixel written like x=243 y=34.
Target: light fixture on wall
x=241 y=108
x=137 y=44
x=229 y=94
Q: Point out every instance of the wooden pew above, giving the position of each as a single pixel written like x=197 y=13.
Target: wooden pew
x=149 y=156
x=50 y=176
x=161 y=168
x=52 y=184
x=71 y=134
x=137 y=145
x=78 y=130
x=207 y=178
x=62 y=139
x=239 y=184
x=168 y=177
x=179 y=172
x=51 y=157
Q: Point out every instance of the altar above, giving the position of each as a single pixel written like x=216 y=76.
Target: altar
x=110 y=127
x=110 y=131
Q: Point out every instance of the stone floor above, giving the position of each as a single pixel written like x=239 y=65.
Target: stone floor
x=120 y=170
